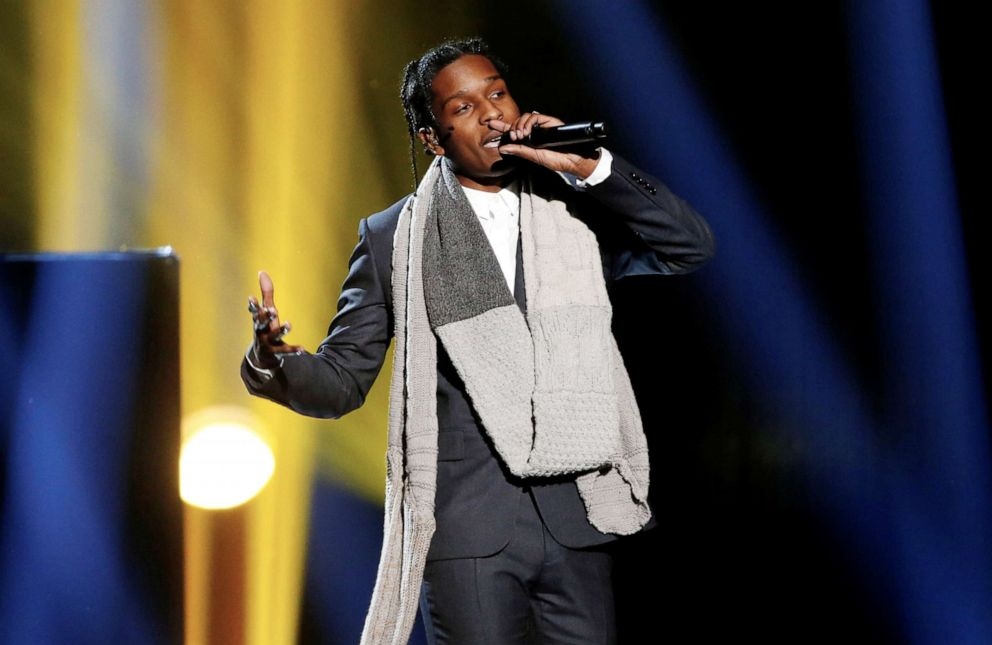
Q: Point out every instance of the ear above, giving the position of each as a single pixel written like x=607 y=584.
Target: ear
x=429 y=139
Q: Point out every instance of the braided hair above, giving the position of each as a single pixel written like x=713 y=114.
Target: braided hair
x=415 y=89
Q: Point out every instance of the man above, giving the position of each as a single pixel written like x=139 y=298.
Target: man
x=515 y=447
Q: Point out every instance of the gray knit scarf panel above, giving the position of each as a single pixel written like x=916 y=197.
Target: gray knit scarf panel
x=462 y=277
x=542 y=385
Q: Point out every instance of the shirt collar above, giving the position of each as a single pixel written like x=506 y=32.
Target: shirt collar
x=506 y=199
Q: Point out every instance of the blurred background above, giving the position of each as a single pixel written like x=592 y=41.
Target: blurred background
x=815 y=398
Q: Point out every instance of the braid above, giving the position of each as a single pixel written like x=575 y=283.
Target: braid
x=415 y=89
x=408 y=88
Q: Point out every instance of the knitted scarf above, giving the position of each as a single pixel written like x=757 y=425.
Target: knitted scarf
x=550 y=388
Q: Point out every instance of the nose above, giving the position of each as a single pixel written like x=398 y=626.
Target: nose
x=490 y=112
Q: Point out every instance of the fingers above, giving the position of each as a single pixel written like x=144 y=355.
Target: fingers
x=269 y=337
x=265 y=284
x=499 y=126
x=519 y=150
x=526 y=123
x=268 y=329
x=548 y=158
x=267 y=315
x=264 y=318
x=281 y=331
x=522 y=125
x=260 y=319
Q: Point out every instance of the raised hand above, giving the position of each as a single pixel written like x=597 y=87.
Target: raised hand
x=269 y=345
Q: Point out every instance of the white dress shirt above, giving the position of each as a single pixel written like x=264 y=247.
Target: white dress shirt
x=499 y=214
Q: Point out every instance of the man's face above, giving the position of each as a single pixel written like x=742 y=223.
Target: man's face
x=467 y=94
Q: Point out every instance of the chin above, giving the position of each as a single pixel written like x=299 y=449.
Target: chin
x=504 y=165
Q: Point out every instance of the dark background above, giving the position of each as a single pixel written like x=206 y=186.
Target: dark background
x=742 y=548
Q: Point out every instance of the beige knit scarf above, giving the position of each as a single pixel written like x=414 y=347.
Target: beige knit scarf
x=550 y=388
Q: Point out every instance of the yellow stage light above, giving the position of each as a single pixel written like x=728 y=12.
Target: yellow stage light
x=224 y=462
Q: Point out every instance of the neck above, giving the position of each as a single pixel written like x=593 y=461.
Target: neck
x=487 y=184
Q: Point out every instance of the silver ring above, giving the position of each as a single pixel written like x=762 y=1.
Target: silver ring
x=282 y=332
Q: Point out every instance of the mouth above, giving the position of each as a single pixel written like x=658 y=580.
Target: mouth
x=492 y=141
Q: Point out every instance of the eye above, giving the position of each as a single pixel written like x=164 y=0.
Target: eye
x=498 y=94
x=461 y=108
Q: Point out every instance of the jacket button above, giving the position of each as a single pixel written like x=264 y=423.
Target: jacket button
x=633 y=175
x=653 y=191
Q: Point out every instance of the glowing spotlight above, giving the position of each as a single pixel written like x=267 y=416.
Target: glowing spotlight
x=224 y=461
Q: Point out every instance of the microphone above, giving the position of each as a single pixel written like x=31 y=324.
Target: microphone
x=561 y=135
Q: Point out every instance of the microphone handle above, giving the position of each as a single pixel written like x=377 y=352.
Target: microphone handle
x=561 y=135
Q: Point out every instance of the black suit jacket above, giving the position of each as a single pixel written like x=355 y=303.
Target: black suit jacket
x=642 y=228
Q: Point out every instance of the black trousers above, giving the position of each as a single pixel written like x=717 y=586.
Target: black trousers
x=532 y=591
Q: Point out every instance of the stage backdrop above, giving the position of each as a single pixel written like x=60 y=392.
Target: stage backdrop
x=815 y=398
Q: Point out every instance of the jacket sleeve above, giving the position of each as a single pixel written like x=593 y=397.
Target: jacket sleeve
x=645 y=228
x=335 y=379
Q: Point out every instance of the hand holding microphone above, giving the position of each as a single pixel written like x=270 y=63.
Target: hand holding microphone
x=561 y=135
x=533 y=136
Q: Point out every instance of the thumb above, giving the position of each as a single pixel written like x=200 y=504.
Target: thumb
x=518 y=150
x=547 y=158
